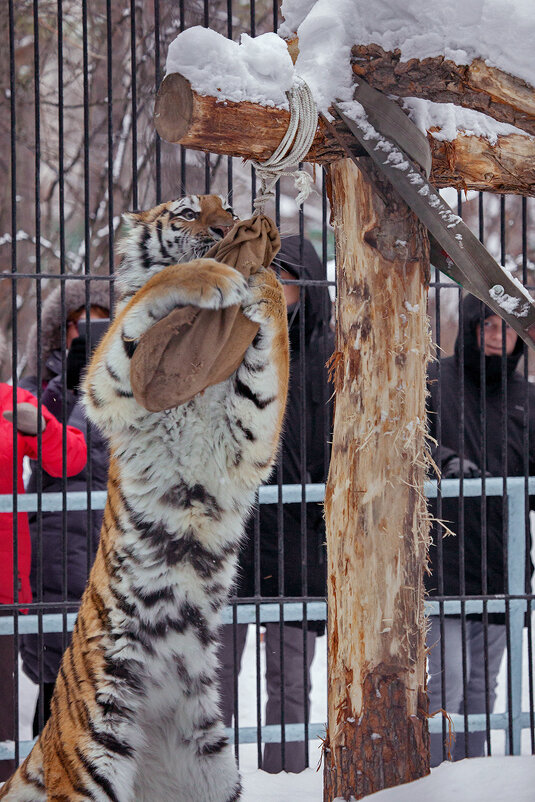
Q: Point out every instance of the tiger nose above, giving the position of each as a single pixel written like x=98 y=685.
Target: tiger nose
x=221 y=230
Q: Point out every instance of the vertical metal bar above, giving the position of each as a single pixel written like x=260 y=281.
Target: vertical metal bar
x=133 y=66
x=324 y=258
x=483 y=500
x=235 y=683
x=439 y=544
x=505 y=500
x=531 y=679
x=87 y=272
x=252 y=17
x=13 y=158
x=258 y=677
x=183 y=181
x=63 y=344
x=527 y=526
x=515 y=580
x=230 y=163
x=257 y=595
x=280 y=536
x=460 y=533
x=207 y=176
x=157 y=78
x=38 y=297
x=304 y=472
x=109 y=109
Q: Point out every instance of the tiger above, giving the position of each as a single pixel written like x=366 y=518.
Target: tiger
x=135 y=711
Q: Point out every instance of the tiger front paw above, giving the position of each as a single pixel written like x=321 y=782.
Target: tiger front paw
x=265 y=299
x=203 y=283
x=211 y=285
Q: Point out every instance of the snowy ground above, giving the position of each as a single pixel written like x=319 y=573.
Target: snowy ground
x=498 y=779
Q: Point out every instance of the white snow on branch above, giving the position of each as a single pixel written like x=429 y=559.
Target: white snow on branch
x=452 y=120
x=501 y=32
x=23 y=236
x=259 y=70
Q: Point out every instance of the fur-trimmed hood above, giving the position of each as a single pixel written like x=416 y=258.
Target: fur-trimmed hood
x=51 y=317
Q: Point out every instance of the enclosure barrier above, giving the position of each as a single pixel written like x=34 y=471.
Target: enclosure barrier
x=514 y=604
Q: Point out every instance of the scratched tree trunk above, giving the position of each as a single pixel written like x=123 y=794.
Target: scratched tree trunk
x=375 y=510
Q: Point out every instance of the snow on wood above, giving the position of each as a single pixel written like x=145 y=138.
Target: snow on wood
x=236 y=104
x=499 y=32
x=477 y=86
x=250 y=130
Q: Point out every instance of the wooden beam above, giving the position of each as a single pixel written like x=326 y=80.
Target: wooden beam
x=252 y=131
x=375 y=511
x=474 y=86
x=471 y=162
x=202 y=122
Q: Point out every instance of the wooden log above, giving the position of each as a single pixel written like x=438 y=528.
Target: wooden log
x=471 y=162
x=202 y=122
x=376 y=514
x=473 y=86
x=252 y=131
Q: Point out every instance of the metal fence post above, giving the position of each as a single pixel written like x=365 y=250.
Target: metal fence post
x=516 y=549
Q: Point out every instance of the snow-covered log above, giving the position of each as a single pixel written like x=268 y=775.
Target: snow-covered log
x=474 y=86
x=375 y=511
x=248 y=130
x=251 y=130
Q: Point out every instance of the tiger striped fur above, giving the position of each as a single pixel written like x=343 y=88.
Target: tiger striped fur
x=135 y=713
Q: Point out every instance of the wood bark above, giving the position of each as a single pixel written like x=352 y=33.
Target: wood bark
x=473 y=86
x=252 y=131
x=471 y=162
x=375 y=512
x=207 y=123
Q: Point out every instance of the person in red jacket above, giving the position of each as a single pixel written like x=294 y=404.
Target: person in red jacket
x=52 y=461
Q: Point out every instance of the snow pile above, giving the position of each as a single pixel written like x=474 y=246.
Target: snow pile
x=326 y=36
x=259 y=70
x=501 y=32
x=451 y=119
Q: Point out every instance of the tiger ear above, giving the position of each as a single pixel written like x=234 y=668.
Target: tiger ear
x=131 y=217
x=130 y=220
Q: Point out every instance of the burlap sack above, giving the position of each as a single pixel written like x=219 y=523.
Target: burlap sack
x=192 y=348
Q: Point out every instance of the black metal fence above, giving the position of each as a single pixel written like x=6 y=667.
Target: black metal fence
x=78 y=150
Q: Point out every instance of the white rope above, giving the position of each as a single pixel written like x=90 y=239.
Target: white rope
x=300 y=132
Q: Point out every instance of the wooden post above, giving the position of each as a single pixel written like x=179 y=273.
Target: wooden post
x=377 y=525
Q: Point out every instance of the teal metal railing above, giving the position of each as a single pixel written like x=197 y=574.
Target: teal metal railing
x=263 y=612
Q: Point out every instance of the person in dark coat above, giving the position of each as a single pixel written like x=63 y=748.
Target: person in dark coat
x=465 y=452
x=50 y=581
x=303 y=458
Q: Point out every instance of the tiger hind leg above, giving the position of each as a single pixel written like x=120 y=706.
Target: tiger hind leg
x=173 y=770
x=27 y=784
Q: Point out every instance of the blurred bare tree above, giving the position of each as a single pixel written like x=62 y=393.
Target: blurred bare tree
x=77 y=143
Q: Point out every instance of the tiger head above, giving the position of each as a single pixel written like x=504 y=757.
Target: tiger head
x=173 y=232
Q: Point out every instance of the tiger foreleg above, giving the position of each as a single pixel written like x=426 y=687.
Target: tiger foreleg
x=260 y=383
x=203 y=283
x=27 y=784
